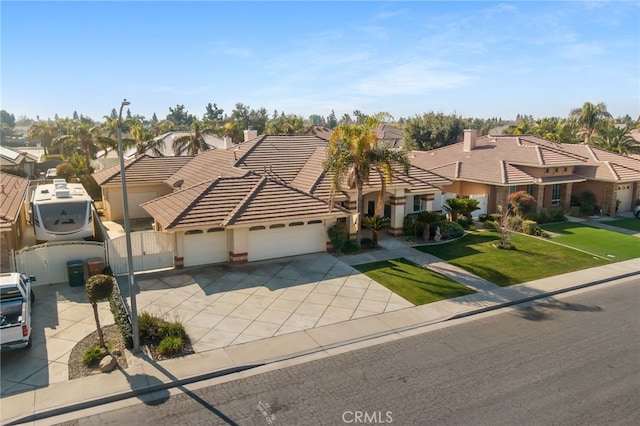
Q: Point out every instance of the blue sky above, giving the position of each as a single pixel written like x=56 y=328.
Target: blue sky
x=476 y=59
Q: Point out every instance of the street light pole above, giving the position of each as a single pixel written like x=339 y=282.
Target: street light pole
x=127 y=236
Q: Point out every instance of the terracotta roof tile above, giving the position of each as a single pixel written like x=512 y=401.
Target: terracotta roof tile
x=13 y=190
x=142 y=169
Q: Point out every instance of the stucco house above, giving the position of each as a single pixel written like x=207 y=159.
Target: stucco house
x=13 y=193
x=21 y=161
x=265 y=198
x=489 y=168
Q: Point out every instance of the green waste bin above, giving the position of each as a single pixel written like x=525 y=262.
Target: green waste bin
x=75 y=268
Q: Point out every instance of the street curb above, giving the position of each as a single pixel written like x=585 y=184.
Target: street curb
x=542 y=295
x=225 y=372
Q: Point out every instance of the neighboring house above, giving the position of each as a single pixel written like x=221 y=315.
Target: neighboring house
x=13 y=193
x=387 y=134
x=268 y=197
x=145 y=177
x=22 y=162
x=489 y=168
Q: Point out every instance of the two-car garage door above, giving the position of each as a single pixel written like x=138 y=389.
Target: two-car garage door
x=286 y=240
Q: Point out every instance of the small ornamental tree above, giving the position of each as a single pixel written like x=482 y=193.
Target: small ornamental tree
x=428 y=218
x=522 y=203
x=99 y=287
x=455 y=207
x=376 y=224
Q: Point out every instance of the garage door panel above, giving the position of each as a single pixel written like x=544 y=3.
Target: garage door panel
x=287 y=241
x=205 y=248
x=137 y=198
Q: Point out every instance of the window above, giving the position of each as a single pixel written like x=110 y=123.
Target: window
x=416 y=203
x=215 y=229
x=555 y=194
x=193 y=232
x=529 y=190
x=312 y=222
x=296 y=224
x=256 y=228
x=513 y=190
x=277 y=225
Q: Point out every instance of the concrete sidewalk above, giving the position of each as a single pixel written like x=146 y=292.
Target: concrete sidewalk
x=145 y=375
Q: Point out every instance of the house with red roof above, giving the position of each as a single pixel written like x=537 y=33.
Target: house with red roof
x=13 y=193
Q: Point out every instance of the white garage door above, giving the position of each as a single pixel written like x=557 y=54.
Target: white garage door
x=286 y=240
x=624 y=196
x=137 y=198
x=205 y=247
x=482 y=200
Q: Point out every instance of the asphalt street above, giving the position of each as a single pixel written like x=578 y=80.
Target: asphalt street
x=573 y=360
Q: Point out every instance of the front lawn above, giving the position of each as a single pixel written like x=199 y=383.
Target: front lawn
x=533 y=258
x=609 y=244
x=632 y=224
x=416 y=284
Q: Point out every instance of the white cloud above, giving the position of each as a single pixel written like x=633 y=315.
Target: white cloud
x=581 y=51
x=412 y=78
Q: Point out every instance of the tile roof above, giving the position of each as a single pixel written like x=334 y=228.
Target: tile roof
x=13 y=190
x=10 y=157
x=497 y=160
x=228 y=201
x=605 y=165
x=142 y=169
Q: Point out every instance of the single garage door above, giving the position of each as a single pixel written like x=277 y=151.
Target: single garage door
x=203 y=247
x=624 y=196
x=137 y=198
x=290 y=239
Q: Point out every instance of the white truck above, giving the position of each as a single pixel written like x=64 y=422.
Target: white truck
x=16 y=299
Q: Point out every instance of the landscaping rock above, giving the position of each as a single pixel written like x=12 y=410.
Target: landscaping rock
x=107 y=364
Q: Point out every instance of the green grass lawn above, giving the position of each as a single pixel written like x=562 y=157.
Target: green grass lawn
x=633 y=224
x=533 y=258
x=609 y=244
x=416 y=284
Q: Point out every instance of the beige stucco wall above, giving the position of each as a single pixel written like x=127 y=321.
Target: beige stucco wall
x=548 y=171
x=112 y=198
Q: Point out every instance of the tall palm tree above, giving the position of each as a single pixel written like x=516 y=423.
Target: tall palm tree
x=144 y=140
x=616 y=139
x=194 y=142
x=352 y=152
x=45 y=132
x=86 y=140
x=590 y=119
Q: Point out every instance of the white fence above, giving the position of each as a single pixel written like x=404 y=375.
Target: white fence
x=48 y=262
x=149 y=250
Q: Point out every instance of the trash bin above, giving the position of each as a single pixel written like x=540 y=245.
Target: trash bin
x=75 y=269
x=95 y=266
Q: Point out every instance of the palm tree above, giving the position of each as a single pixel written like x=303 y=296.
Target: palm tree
x=376 y=224
x=144 y=140
x=352 y=152
x=85 y=139
x=45 y=132
x=455 y=207
x=616 y=139
x=590 y=119
x=194 y=142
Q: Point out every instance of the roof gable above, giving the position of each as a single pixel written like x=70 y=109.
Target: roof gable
x=13 y=190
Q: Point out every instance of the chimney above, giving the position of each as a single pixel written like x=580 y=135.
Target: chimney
x=250 y=134
x=227 y=142
x=469 y=142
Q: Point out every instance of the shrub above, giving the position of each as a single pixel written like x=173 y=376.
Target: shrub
x=350 y=248
x=173 y=329
x=150 y=327
x=366 y=243
x=495 y=217
x=338 y=235
x=450 y=230
x=65 y=171
x=92 y=187
x=466 y=223
x=522 y=203
x=514 y=223
x=411 y=226
x=490 y=224
x=121 y=317
x=557 y=215
x=170 y=346
x=93 y=355
x=587 y=203
x=529 y=227
x=483 y=217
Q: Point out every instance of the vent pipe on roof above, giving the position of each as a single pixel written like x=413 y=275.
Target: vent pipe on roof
x=469 y=142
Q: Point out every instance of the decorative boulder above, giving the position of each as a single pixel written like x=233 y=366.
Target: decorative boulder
x=107 y=364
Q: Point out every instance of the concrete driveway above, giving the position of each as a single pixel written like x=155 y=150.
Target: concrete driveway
x=220 y=305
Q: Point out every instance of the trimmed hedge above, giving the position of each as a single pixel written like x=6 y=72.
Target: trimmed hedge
x=121 y=316
x=450 y=230
x=529 y=227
